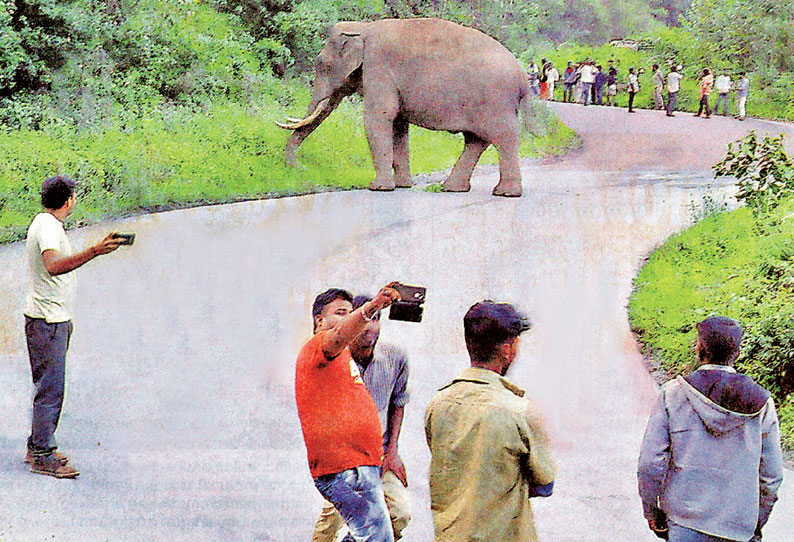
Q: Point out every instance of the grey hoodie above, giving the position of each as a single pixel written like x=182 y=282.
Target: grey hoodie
x=707 y=467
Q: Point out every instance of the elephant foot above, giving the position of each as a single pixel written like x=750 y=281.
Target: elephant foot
x=382 y=186
x=403 y=183
x=508 y=191
x=456 y=186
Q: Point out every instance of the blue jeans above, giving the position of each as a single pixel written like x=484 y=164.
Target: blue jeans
x=724 y=99
x=358 y=496
x=682 y=534
x=587 y=89
x=47 y=346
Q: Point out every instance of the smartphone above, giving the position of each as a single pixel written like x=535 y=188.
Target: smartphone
x=125 y=238
x=409 y=308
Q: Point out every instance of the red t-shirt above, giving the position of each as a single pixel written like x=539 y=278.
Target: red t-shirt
x=339 y=419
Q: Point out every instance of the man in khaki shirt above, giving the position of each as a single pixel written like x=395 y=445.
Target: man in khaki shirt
x=490 y=451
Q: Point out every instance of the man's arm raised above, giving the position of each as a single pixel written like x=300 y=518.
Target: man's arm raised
x=351 y=326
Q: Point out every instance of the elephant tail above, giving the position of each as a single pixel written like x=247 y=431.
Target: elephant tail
x=536 y=119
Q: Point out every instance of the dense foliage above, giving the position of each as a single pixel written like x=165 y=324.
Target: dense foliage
x=764 y=172
x=734 y=264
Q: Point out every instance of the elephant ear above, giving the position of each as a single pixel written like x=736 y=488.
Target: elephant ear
x=350 y=45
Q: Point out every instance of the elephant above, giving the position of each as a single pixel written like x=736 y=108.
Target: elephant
x=429 y=72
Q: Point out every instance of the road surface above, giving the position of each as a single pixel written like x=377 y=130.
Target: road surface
x=179 y=408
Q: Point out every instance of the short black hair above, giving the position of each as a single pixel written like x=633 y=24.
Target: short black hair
x=720 y=339
x=487 y=325
x=56 y=191
x=327 y=297
x=655 y=66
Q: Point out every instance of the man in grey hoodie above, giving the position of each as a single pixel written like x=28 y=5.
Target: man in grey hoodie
x=711 y=464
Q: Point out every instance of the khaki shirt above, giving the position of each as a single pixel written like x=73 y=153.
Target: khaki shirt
x=488 y=444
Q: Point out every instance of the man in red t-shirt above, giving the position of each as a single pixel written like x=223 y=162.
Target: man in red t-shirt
x=339 y=419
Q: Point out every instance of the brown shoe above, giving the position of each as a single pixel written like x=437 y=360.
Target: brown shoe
x=60 y=457
x=52 y=466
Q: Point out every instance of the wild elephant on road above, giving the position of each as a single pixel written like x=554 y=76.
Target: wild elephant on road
x=428 y=72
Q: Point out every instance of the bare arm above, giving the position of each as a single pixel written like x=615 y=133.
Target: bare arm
x=351 y=326
x=391 y=459
x=57 y=264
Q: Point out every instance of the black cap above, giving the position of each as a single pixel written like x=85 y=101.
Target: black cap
x=503 y=318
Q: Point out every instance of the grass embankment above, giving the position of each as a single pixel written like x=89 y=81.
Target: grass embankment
x=732 y=264
x=231 y=153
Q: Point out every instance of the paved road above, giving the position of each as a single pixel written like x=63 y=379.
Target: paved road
x=179 y=406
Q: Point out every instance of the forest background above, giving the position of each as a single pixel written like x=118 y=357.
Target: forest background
x=155 y=104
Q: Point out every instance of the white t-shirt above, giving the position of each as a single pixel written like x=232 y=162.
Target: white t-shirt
x=674 y=81
x=553 y=75
x=588 y=74
x=49 y=297
x=723 y=84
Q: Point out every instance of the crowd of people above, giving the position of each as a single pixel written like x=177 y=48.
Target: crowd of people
x=588 y=83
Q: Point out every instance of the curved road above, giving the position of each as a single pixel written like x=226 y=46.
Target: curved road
x=180 y=409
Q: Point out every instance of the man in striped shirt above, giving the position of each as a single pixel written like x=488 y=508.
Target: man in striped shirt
x=384 y=369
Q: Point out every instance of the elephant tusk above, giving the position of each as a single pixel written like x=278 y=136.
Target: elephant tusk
x=308 y=120
x=293 y=119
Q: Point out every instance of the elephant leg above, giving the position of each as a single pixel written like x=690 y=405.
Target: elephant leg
x=509 y=168
x=459 y=179
x=379 y=125
x=402 y=163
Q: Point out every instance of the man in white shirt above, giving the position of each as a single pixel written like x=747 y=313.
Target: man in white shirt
x=673 y=85
x=588 y=78
x=723 y=85
x=48 y=319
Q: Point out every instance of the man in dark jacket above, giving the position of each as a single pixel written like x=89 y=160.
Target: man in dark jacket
x=711 y=463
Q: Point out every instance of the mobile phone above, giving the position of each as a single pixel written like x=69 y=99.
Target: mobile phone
x=409 y=308
x=125 y=238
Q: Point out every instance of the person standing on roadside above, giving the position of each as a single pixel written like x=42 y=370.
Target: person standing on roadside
x=634 y=88
x=489 y=448
x=532 y=75
x=673 y=86
x=658 y=87
x=588 y=78
x=598 y=85
x=577 y=86
x=612 y=84
x=742 y=92
x=552 y=76
x=711 y=463
x=723 y=85
x=48 y=319
x=339 y=419
x=569 y=80
x=544 y=80
x=706 y=84
x=384 y=369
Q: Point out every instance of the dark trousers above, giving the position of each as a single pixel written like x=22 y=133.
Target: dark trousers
x=599 y=95
x=567 y=92
x=631 y=100
x=47 y=346
x=704 y=105
x=671 y=102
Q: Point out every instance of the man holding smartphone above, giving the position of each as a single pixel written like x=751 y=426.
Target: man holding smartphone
x=48 y=319
x=339 y=419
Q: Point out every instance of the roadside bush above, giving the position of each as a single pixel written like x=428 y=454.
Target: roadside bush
x=764 y=172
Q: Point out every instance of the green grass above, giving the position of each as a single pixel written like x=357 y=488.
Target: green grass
x=230 y=153
x=735 y=265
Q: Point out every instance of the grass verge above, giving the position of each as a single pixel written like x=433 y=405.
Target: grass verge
x=737 y=265
x=231 y=153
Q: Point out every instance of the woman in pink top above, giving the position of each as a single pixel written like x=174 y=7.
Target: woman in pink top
x=706 y=85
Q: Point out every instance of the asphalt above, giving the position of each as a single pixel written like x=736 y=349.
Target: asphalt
x=180 y=411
